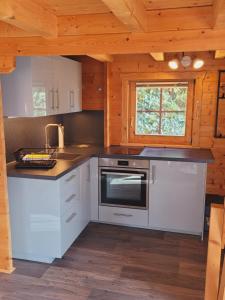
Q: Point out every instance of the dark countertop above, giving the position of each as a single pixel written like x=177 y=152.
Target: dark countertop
x=64 y=166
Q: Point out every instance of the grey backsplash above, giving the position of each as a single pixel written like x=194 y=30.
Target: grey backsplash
x=83 y=127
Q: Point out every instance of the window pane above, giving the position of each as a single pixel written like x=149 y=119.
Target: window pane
x=39 y=101
x=174 y=98
x=147 y=123
x=173 y=124
x=148 y=98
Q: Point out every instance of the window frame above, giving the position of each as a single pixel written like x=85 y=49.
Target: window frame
x=159 y=139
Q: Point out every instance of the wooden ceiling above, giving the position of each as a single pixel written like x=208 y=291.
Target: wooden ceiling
x=95 y=27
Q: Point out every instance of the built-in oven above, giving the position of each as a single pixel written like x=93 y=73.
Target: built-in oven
x=123 y=182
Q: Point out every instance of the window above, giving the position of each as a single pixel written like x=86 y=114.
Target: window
x=39 y=101
x=161 y=112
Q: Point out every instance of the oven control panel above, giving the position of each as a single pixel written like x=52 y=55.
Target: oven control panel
x=124 y=163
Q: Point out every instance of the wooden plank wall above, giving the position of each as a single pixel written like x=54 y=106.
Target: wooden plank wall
x=207 y=88
x=5 y=237
x=93 y=91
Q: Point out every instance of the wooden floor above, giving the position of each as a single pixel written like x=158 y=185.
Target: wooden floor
x=115 y=263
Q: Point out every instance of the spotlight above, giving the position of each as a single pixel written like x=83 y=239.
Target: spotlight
x=198 y=63
x=173 y=64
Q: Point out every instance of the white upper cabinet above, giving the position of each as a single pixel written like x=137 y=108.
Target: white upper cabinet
x=42 y=86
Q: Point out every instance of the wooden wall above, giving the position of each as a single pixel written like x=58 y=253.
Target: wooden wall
x=93 y=91
x=127 y=64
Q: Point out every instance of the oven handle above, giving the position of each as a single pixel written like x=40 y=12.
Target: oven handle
x=117 y=173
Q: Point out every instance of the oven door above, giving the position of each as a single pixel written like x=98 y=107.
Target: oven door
x=123 y=187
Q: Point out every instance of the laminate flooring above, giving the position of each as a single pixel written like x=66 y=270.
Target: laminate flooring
x=115 y=263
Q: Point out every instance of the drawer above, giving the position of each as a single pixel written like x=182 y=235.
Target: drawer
x=70 y=202
x=126 y=216
x=69 y=184
x=70 y=229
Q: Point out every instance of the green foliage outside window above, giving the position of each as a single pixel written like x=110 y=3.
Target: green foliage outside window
x=161 y=110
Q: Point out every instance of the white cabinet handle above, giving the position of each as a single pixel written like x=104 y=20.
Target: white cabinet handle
x=126 y=174
x=122 y=215
x=70 y=198
x=152 y=175
x=71 y=99
x=71 y=217
x=73 y=102
x=53 y=99
x=71 y=178
x=57 y=98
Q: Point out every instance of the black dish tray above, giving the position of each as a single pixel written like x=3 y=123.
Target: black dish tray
x=20 y=153
x=37 y=164
x=34 y=164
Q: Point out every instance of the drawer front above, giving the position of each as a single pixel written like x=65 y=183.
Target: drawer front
x=71 y=202
x=69 y=189
x=126 y=216
x=70 y=229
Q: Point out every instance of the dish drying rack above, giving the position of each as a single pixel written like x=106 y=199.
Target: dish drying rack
x=35 y=158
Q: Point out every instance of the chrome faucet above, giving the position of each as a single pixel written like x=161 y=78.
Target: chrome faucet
x=60 y=135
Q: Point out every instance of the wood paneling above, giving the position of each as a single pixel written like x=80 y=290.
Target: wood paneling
x=5 y=244
x=165 y=4
x=29 y=16
x=182 y=19
x=93 y=83
x=74 y=7
x=132 y=13
x=206 y=80
x=7 y=64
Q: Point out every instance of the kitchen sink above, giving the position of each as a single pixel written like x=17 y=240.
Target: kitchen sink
x=65 y=156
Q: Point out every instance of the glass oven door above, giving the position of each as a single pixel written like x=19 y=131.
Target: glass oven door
x=123 y=187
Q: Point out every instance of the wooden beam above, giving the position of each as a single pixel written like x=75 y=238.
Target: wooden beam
x=158 y=56
x=132 y=13
x=182 y=19
x=5 y=245
x=214 y=252
x=219 y=54
x=7 y=64
x=29 y=16
x=101 y=57
x=179 y=41
x=218 y=14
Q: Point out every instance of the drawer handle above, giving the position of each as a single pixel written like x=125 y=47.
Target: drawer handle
x=122 y=215
x=70 y=198
x=70 y=178
x=71 y=217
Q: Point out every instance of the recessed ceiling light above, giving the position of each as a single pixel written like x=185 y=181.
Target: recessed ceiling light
x=173 y=64
x=198 y=63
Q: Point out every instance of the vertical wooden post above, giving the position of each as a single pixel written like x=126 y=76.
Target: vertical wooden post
x=7 y=64
x=106 y=106
x=214 y=252
x=5 y=237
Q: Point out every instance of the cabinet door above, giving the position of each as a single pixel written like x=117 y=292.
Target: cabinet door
x=43 y=97
x=176 y=196
x=94 y=189
x=85 y=193
x=75 y=86
x=17 y=90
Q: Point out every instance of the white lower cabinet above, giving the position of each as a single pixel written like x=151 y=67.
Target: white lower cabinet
x=177 y=196
x=48 y=215
x=122 y=215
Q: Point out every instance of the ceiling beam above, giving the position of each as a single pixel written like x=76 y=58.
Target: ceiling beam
x=101 y=57
x=182 y=19
x=219 y=54
x=218 y=14
x=131 y=13
x=158 y=56
x=29 y=16
x=7 y=64
x=123 y=43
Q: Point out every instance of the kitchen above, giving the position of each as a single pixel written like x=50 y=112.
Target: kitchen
x=125 y=202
